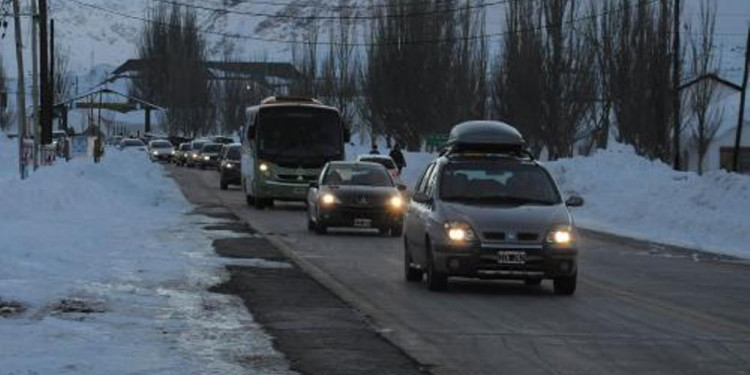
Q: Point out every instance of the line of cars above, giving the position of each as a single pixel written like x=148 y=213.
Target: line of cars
x=484 y=208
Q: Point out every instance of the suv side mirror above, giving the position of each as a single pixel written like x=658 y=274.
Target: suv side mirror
x=574 y=201
x=313 y=185
x=421 y=197
x=401 y=187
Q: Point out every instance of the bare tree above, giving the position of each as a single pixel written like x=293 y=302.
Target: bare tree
x=174 y=73
x=705 y=119
x=62 y=77
x=424 y=74
x=305 y=58
x=234 y=93
x=638 y=77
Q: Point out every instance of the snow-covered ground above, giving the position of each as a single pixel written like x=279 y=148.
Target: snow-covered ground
x=112 y=277
x=632 y=196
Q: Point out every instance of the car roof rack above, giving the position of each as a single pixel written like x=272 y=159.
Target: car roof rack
x=289 y=99
x=486 y=138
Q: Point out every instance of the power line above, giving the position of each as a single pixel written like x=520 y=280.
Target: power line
x=415 y=42
x=337 y=17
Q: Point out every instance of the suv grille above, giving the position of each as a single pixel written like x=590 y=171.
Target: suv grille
x=494 y=236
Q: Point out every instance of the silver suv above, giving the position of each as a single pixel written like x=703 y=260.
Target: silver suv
x=486 y=209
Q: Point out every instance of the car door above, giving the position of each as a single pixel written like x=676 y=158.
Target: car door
x=419 y=212
x=411 y=215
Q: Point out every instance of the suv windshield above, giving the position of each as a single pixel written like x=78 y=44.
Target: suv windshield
x=493 y=182
x=386 y=162
x=198 y=145
x=359 y=175
x=288 y=133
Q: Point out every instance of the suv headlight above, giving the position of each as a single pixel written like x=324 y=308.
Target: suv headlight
x=560 y=236
x=396 y=202
x=328 y=199
x=459 y=232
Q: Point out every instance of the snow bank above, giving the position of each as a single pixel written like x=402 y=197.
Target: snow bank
x=629 y=195
x=113 y=237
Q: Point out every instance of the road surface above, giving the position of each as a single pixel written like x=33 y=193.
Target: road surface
x=639 y=308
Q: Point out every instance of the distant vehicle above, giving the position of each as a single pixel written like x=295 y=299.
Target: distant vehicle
x=355 y=194
x=208 y=156
x=115 y=140
x=160 y=150
x=193 y=154
x=229 y=167
x=486 y=209
x=181 y=154
x=132 y=144
x=383 y=160
x=286 y=143
x=221 y=139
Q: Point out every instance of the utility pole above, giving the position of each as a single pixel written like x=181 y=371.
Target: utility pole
x=740 y=120
x=21 y=92
x=51 y=71
x=35 y=80
x=676 y=118
x=44 y=77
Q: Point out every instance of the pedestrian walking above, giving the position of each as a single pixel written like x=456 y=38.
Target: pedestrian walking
x=398 y=158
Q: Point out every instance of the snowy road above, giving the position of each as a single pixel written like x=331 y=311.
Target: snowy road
x=638 y=309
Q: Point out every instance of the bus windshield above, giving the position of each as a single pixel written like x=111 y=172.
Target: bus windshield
x=300 y=135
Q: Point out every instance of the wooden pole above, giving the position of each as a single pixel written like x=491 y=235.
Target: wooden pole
x=21 y=91
x=44 y=77
x=676 y=118
x=741 y=118
x=35 y=80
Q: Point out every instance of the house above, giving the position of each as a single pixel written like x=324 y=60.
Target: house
x=719 y=154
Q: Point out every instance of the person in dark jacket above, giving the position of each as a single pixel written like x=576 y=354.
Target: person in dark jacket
x=398 y=158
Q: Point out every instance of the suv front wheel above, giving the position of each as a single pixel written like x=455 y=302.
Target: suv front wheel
x=566 y=286
x=436 y=280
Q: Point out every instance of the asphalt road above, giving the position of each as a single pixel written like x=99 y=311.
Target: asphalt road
x=639 y=308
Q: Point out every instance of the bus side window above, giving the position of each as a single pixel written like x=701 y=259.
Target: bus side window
x=250 y=129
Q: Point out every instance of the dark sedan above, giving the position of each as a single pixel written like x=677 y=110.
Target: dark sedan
x=229 y=168
x=208 y=157
x=355 y=195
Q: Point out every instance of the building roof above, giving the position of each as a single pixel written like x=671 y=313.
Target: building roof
x=252 y=69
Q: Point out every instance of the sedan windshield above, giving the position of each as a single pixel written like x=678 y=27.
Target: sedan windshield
x=161 y=144
x=501 y=183
x=357 y=175
x=386 y=162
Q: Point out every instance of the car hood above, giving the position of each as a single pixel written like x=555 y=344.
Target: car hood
x=508 y=219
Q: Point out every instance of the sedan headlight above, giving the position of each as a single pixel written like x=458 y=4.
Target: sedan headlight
x=195 y=156
x=560 y=236
x=396 y=202
x=459 y=232
x=263 y=167
x=206 y=158
x=155 y=153
x=173 y=152
x=328 y=199
x=229 y=165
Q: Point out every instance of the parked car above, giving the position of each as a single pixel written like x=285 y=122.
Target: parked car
x=486 y=209
x=194 y=153
x=181 y=154
x=208 y=156
x=383 y=160
x=229 y=167
x=160 y=150
x=132 y=144
x=355 y=194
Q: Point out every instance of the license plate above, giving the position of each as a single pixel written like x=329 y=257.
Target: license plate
x=362 y=223
x=511 y=257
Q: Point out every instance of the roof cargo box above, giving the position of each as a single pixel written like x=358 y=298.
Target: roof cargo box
x=485 y=136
